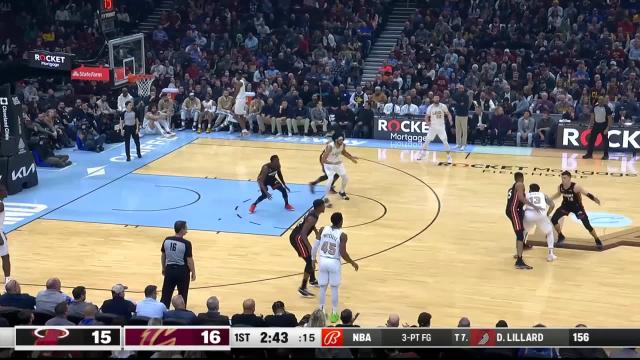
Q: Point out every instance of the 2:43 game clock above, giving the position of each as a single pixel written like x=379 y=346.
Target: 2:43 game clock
x=276 y=337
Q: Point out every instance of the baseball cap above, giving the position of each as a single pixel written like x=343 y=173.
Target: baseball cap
x=118 y=288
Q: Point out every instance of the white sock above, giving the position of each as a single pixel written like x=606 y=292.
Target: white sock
x=550 y=241
x=334 y=298
x=343 y=186
x=322 y=295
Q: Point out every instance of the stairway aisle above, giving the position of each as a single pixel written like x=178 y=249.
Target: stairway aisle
x=387 y=40
x=151 y=22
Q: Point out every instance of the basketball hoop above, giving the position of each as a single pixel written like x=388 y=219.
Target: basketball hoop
x=143 y=81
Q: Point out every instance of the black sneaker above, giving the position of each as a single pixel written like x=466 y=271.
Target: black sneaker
x=599 y=245
x=560 y=239
x=305 y=293
x=312 y=188
x=605 y=157
x=344 y=196
x=314 y=283
x=587 y=156
x=521 y=265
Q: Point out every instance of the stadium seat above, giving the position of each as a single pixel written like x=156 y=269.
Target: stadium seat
x=39 y=318
x=110 y=319
x=138 y=320
x=11 y=314
x=175 y=322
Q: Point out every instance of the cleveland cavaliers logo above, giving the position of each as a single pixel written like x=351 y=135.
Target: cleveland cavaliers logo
x=158 y=337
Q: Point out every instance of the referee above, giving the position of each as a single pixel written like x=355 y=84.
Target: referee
x=601 y=121
x=177 y=263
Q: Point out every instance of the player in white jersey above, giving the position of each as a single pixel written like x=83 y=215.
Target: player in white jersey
x=240 y=107
x=328 y=250
x=4 y=246
x=332 y=163
x=435 y=117
x=539 y=219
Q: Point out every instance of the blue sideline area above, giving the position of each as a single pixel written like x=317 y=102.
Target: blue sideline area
x=93 y=186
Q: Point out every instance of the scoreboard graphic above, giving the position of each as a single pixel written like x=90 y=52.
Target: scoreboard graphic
x=207 y=338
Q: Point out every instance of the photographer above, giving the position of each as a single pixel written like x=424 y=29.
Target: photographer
x=91 y=140
x=40 y=141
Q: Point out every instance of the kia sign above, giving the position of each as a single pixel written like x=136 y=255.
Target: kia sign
x=90 y=73
x=620 y=138
x=49 y=60
x=400 y=129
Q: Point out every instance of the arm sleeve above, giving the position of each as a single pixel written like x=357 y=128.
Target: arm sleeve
x=314 y=249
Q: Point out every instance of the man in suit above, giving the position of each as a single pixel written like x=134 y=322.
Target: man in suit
x=180 y=311
x=213 y=316
x=248 y=316
x=280 y=317
x=479 y=126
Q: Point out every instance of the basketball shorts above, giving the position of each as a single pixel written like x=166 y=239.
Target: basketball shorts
x=272 y=182
x=535 y=219
x=4 y=248
x=563 y=211
x=438 y=131
x=331 y=169
x=240 y=107
x=298 y=245
x=329 y=271
x=517 y=218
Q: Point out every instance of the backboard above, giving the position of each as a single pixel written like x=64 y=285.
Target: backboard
x=126 y=56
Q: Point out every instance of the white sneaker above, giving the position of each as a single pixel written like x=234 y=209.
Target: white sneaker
x=245 y=132
x=449 y=159
x=551 y=257
x=462 y=147
x=421 y=155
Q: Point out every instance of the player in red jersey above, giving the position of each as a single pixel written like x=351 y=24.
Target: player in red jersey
x=515 y=212
x=572 y=203
x=266 y=178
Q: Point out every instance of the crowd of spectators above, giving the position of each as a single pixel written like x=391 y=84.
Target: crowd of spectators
x=516 y=59
x=52 y=306
x=524 y=65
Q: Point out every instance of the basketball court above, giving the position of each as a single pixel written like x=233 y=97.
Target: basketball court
x=428 y=236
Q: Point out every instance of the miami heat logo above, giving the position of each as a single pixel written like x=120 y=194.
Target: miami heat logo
x=49 y=336
x=158 y=337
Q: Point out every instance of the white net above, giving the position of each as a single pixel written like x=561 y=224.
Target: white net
x=144 y=86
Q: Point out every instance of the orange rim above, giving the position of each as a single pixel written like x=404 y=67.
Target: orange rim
x=136 y=77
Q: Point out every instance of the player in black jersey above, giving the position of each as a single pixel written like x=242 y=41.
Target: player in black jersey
x=572 y=203
x=324 y=176
x=299 y=239
x=515 y=212
x=267 y=177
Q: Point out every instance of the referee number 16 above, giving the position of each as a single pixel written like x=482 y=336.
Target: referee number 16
x=101 y=337
x=581 y=337
x=210 y=337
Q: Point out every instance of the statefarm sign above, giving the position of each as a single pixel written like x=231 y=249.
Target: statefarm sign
x=49 y=60
x=90 y=73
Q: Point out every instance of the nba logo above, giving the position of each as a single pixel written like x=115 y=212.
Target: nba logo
x=332 y=337
x=480 y=337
